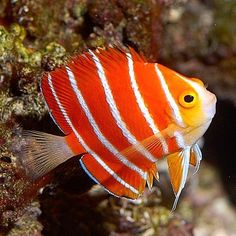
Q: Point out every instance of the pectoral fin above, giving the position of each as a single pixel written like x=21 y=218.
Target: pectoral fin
x=178 y=164
x=155 y=144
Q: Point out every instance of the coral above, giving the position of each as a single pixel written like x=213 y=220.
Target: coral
x=58 y=21
x=16 y=190
x=34 y=39
x=143 y=27
x=28 y=225
x=20 y=97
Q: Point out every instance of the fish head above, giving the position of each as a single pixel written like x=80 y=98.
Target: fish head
x=197 y=105
x=190 y=104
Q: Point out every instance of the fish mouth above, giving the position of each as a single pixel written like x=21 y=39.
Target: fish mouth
x=192 y=134
x=210 y=107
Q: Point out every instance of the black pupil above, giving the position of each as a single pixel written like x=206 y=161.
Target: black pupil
x=188 y=98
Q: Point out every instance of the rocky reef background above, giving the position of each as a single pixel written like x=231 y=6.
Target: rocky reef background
x=195 y=37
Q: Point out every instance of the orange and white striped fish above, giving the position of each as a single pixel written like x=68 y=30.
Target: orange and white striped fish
x=122 y=114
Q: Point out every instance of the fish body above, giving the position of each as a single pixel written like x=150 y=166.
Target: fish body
x=123 y=114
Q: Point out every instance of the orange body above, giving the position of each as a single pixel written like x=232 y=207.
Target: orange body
x=124 y=114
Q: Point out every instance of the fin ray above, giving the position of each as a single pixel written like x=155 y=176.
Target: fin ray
x=117 y=181
x=178 y=165
x=43 y=152
x=153 y=144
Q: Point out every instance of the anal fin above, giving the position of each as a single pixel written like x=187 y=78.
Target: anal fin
x=115 y=180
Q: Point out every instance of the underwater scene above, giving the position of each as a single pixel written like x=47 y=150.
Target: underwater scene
x=117 y=117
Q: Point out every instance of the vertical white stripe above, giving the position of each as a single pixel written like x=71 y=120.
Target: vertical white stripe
x=193 y=84
x=93 y=178
x=85 y=146
x=96 y=129
x=179 y=139
x=115 y=112
x=141 y=104
x=51 y=115
x=175 y=110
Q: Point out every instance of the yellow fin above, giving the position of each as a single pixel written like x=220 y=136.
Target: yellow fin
x=153 y=172
x=178 y=164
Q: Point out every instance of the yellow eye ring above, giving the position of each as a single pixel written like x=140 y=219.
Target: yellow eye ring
x=188 y=99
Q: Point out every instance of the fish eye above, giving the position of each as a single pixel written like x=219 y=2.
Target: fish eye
x=188 y=99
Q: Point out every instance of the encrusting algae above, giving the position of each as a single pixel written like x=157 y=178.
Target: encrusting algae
x=19 y=98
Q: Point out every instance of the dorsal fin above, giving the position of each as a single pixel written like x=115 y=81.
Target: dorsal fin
x=56 y=87
x=110 y=57
x=61 y=87
x=57 y=94
x=116 y=54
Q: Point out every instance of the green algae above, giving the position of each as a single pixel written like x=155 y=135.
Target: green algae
x=224 y=29
x=21 y=70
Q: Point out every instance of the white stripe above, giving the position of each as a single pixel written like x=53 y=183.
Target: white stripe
x=176 y=113
x=141 y=104
x=51 y=115
x=193 y=84
x=85 y=146
x=179 y=139
x=96 y=129
x=113 y=174
x=115 y=112
x=92 y=177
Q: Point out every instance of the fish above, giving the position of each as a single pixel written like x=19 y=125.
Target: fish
x=122 y=115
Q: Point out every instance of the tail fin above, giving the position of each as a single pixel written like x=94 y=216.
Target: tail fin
x=43 y=152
